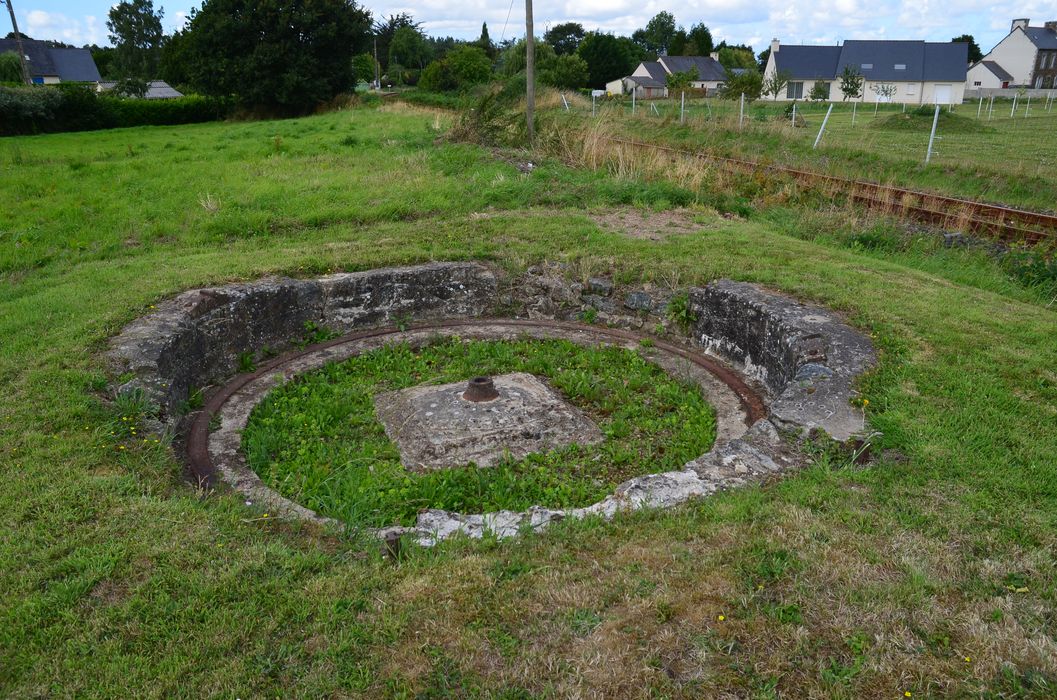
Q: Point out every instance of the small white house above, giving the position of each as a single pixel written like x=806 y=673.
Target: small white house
x=912 y=72
x=1026 y=57
x=650 y=79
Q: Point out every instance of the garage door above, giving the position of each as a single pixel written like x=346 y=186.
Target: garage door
x=942 y=95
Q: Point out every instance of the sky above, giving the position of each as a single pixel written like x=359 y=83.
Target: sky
x=753 y=22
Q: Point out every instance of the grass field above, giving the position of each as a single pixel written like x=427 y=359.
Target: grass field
x=1005 y=159
x=929 y=572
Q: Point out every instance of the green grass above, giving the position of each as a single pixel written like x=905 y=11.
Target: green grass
x=122 y=579
x=317 y=441
x=1001 y=159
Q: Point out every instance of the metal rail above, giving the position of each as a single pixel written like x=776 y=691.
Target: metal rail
x=1003 y=223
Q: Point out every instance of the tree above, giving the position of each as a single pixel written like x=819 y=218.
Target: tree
x=470 y=65
x=408 y=48
x=975 y=54
x=680 y=45
x=736 y=57
x=364 y=68
x=885 y=90
x=437 y=77
x=680 y=81
x=385 y=30
x=774 y=84
x=851 y=81
x=747 y=82
x=10 y=68
x=273 y=54
x=135 y=31
x=607 y=58
x=568 y=73
x=512 y=60
x=657 y=36
x=819 y=91
x=699 y=41
x=485 y=42
x=565 y=37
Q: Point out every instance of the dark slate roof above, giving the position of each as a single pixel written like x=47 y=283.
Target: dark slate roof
x=156 y=89
x=1042 y=37
x=656 y=70
x=877 y=60
x=74 y=65
x=647 y=82
x=708 y=68
x=999 y=72
x=808 y=62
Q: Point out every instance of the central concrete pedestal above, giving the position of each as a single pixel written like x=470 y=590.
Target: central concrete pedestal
x=436 y=427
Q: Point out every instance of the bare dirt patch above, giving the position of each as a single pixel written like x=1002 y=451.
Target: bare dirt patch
x=651 y=225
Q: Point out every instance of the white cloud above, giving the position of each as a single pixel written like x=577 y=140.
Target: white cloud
x=87 y=29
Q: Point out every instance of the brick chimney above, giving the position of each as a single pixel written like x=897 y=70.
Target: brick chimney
x=1022 y=23
x=775 y=45
x=1051 y=25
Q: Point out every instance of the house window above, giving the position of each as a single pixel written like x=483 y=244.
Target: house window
x=1053 y=59
x=976 y=83
x=794 y=91
x=867 y=66
x=1038 y=82
x=901 y=66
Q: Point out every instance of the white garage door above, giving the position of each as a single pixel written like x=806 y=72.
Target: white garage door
x=942 y=95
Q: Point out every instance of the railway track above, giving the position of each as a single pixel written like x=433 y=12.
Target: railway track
x=994 y=221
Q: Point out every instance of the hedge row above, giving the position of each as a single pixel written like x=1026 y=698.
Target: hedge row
x=39 y=110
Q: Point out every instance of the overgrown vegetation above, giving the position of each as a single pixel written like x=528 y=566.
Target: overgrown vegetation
x=930 y=571
x=318 y=442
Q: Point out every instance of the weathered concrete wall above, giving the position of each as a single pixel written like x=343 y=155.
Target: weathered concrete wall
x=196 y=339
x=806 y=355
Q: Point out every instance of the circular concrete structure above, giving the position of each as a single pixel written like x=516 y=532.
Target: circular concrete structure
x=803 y=359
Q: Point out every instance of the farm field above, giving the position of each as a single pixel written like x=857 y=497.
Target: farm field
x=929 y=572
x=993 y=157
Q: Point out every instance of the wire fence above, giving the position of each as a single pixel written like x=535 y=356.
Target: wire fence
x=1012 y=135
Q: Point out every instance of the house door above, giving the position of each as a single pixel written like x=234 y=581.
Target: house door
x=942 y=95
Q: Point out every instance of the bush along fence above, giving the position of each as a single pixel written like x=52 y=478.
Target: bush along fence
x=39 y=110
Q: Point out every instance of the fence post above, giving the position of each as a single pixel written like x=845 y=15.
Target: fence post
x=682 y=107
x=991 y=108
x=1027 y=107
x=904 y=108
x=741 y=112
x=854 y=107
x=793 y=120
x=1013 y=111
x=932 y=136
x=823 y=127
x=565 y=101
x=632 y=101
x=593 y=97
x=978 y=109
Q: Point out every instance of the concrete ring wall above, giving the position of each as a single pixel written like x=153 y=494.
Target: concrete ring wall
x=804 y=356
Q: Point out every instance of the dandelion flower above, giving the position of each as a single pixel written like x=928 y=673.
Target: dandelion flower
x=721 y=618
x=907 y=694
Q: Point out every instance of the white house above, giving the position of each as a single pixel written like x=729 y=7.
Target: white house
x=1026 y=57
x=650 y=79
x=912 y=72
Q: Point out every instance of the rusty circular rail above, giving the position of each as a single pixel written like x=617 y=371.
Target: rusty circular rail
x=204 y=471
x=1006 y=224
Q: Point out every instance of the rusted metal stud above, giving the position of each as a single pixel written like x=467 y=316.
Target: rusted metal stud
x=480 y=389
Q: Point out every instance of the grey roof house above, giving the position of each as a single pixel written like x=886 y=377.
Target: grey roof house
x=156 y=89
x=650 y=79
x=1026 y=57
x=48 y=65
x=915 y=72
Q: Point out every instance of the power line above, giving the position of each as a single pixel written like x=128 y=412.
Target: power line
x=502 y=36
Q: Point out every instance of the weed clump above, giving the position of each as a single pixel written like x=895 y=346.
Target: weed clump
x=920 y=119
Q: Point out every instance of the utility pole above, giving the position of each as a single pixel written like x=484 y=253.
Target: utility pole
x=377 y=68
x=530 y=74
x=18 y=42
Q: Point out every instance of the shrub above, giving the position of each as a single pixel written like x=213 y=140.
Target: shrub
x=36 y=110
x=748 y=82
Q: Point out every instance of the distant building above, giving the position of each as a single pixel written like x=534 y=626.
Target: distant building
x=650 y=79
x=1026 y=57
x=49 y=66
x=156 y=89
x=917 y=72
